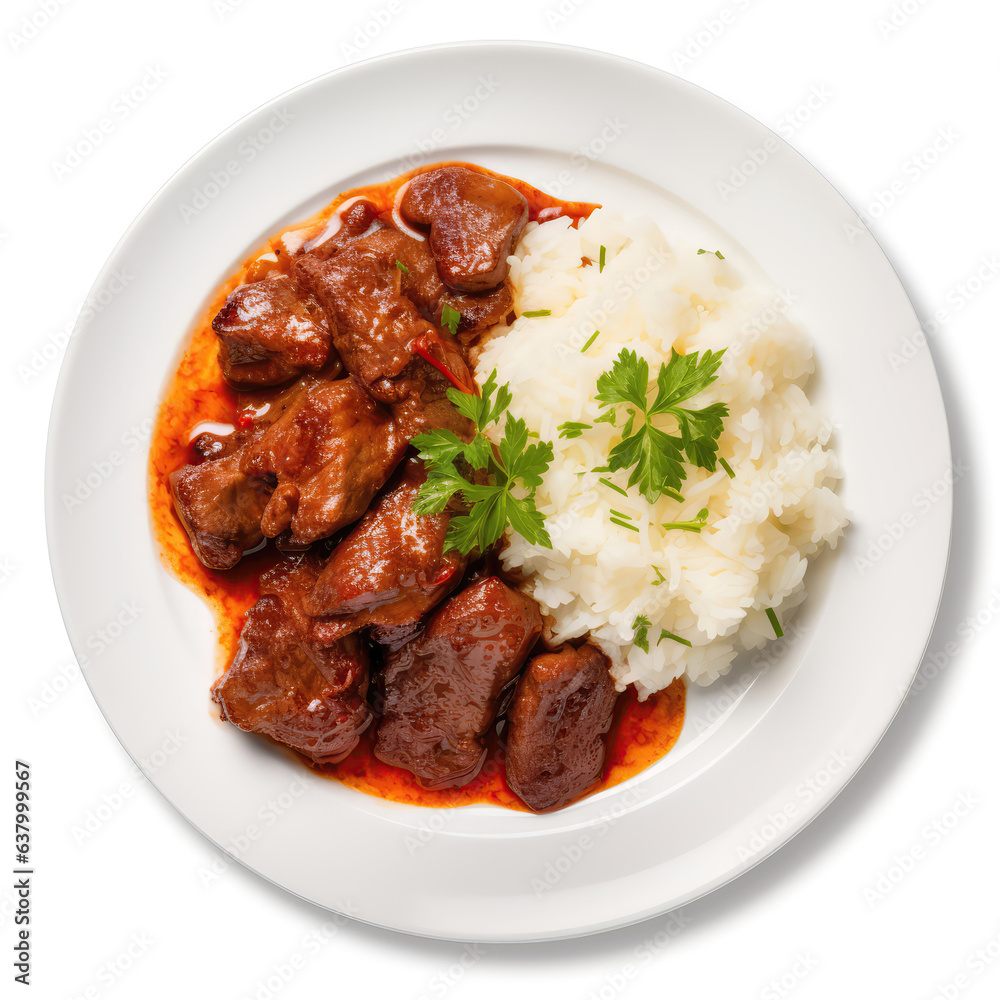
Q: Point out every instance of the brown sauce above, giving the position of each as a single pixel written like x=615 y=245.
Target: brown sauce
x=643 y=731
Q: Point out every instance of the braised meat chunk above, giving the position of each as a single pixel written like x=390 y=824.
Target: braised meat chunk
x=392 y=568
x=480 y=312
x=475 y=222
x=307 y=468
x=372 y=323
x=440 y=691
x=220 y=507
x=330 y=450
x=270 y=332
x=425 y=405
x=421 y=283
x=561 y=712
x=350 y=220
x=289 y=681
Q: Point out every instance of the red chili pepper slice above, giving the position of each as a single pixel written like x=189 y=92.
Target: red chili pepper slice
x=424 y=345
x=445 y=574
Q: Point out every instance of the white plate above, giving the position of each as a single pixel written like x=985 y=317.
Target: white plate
x=758 y=760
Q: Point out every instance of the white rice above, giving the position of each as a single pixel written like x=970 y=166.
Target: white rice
x=763 y=525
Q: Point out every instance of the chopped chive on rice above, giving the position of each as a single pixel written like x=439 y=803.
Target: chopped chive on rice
x=773 y=619
x=664 y=634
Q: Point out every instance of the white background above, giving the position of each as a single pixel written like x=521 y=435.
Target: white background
x=890 y=893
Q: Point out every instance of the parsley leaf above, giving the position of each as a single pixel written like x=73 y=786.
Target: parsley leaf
x=655 y=457
x=490 y=499
x=450 y=318
x=402 y=267
x=642 y=625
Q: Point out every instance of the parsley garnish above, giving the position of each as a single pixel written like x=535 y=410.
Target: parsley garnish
x=696 y=525
x=642 y=625
x=586 y=347
x=773 y=619
x=655 y=457
x=402 y=267
x=450 y=318
x=572 y=429
x=513 y=463
x=537 y=312
x=718 y=253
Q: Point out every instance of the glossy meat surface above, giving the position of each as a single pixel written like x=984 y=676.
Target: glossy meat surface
x=421 y=283
x=425 y=405
x=220 y=507
x=475 y=222
x=440 y=691
x=291 y=682
x=391 y=569
x=270 y=332
x=331 y=449
x=384 y=301
x=562 y=709
x=349 y=221
x=373 y=325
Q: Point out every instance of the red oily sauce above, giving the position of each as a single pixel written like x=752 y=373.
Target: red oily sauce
x=642 y=732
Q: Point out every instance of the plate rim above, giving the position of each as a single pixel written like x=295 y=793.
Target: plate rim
x=65 y=378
